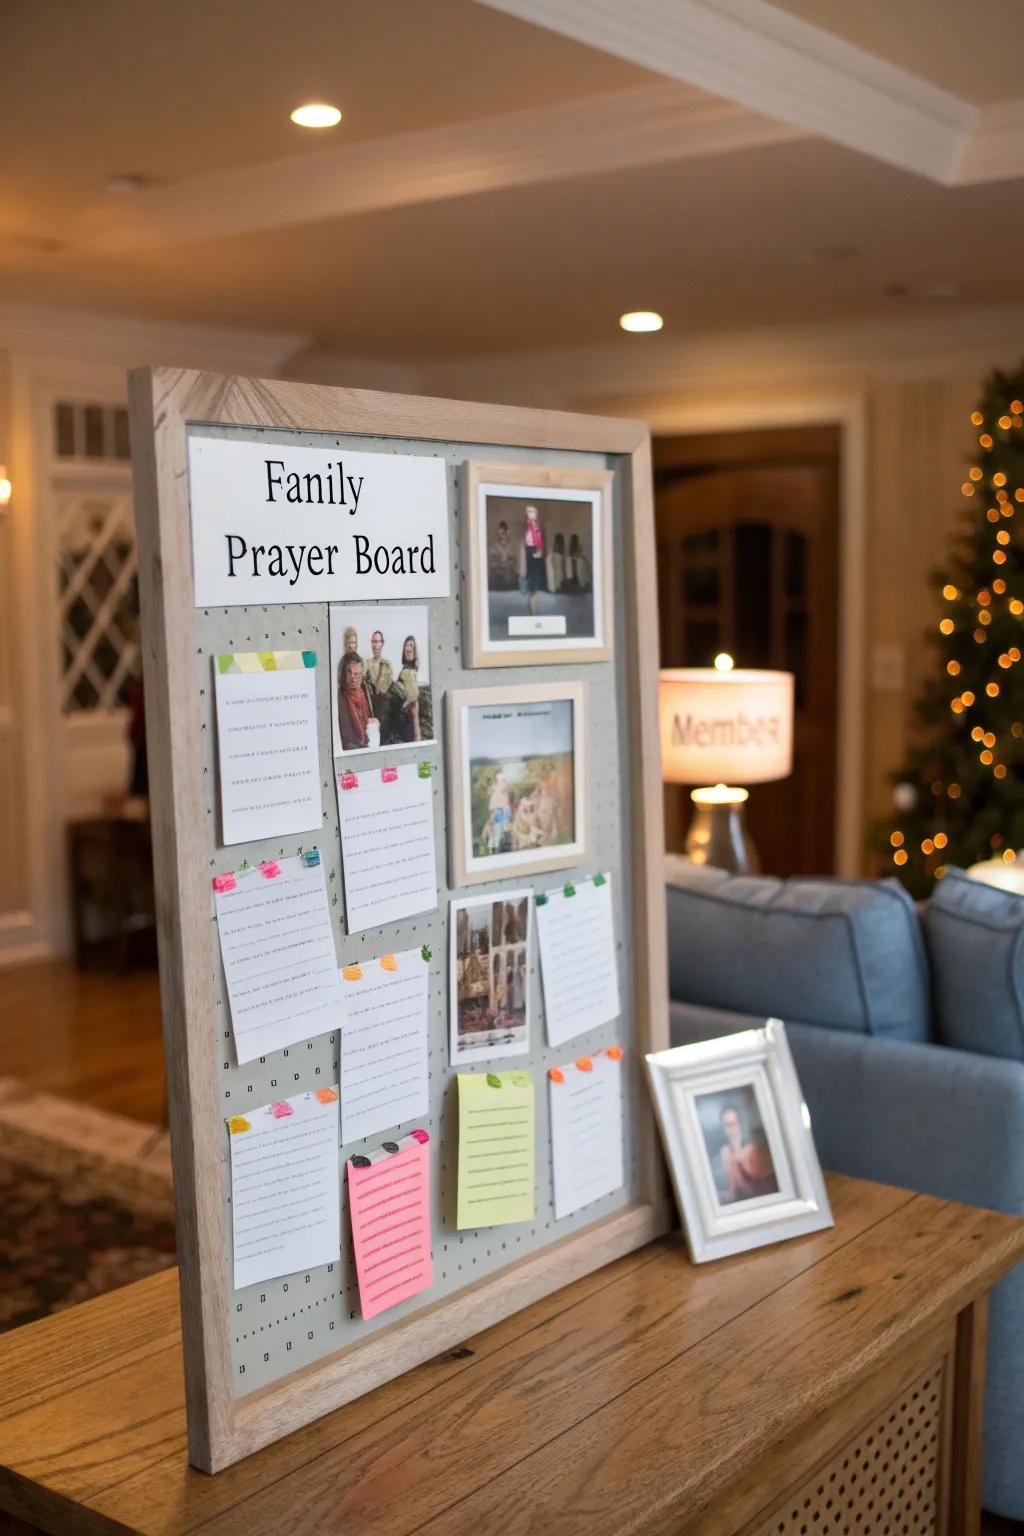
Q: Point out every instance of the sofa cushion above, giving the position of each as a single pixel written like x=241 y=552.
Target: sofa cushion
x=847 y=954
x=975 y=938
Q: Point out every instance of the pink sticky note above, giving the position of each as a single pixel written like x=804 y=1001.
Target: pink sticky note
x=280 y=1110
x=270 y=870
x=223 y=883
x=390 y=1207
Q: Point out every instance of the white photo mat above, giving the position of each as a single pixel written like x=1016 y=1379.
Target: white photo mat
x=468 y=867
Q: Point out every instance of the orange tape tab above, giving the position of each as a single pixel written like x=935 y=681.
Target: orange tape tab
x=388 y=963
x=325 y=1095
x=352 y=973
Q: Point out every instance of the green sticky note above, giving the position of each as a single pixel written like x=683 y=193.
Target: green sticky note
x=496 y=1149
x=309 y=658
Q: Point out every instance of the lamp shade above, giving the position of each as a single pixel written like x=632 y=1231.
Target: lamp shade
x=726 y=727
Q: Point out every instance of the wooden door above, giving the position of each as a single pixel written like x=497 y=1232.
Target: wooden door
x=747 y=530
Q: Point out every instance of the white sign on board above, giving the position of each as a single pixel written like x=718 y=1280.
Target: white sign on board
x=276 y=524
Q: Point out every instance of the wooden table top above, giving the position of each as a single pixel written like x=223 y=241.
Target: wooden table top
x=623 y=1403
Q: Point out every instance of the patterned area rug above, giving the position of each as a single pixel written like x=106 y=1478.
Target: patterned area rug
x=87 y=1203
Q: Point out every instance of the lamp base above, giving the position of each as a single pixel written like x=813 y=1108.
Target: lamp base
x=718 y=832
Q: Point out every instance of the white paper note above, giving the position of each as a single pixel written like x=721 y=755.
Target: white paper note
x=279 y=958
x=577 y=959
x=285 y=1187
x=383 y=1044
x=386 y=817
x=586 y=1131
x=267 y=744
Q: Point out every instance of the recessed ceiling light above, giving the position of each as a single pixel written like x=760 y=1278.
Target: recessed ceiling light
x=641 y=320
x=124 y=183
x=316 y=114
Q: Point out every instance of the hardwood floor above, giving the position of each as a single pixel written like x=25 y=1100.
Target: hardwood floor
x=94 y=1039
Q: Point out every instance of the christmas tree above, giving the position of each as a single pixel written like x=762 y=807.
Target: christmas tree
x=960 y=797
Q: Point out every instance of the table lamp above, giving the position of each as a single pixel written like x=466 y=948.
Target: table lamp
x=722 y=728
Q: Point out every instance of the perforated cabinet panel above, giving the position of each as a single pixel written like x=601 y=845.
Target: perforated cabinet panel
x=886 y=1481
x=282 y=1325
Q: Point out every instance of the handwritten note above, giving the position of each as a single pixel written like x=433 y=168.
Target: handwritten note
x=278 y=952
x=383 y=1044
x=585 y=1098
x=496 y=1131
x=386 y=816
x=576 y=931
x=285 y=1187
x=389 y=1201
x=267 y=744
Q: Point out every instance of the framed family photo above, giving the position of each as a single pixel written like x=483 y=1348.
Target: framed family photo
x=380 y=666
x=738 y=1141
x=491 y=944
x=517 y=780
x=539 y=572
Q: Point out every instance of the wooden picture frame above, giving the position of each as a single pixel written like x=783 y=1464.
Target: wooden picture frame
x=166 y=403
x=469 y=868
x=780 y=1192
x=590 y=486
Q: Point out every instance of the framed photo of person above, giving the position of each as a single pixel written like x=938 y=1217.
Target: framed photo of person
x=539 y=573
x=517 y=780
x=738 y=1142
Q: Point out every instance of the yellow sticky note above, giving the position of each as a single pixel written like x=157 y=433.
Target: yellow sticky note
x=496 y=1155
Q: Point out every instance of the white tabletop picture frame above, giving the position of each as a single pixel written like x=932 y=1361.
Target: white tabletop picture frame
x=751 y=1076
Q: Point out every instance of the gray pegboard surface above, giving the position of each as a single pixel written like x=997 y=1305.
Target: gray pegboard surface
x=281 y=1325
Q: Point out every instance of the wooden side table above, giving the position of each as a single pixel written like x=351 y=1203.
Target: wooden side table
x=830 y=1385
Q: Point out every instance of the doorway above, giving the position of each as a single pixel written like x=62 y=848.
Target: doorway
x=747 y=528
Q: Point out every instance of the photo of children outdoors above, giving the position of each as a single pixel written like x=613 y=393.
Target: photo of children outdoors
x=490 y=976
x=380 y=659
x=521 y=777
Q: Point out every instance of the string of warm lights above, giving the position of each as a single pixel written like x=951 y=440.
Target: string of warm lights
x=972 y=615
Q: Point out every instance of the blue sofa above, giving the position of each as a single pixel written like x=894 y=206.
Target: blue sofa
x=908 y=1034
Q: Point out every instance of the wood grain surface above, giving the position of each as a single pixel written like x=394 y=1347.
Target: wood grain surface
x=645 y=1397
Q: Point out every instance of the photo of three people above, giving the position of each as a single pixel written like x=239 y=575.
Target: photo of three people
x=381 y=666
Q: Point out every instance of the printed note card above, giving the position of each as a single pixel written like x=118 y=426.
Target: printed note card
x=383 y=1043
x=278 y=951
x=576 y=932
x=585 y=1099
x=389 y=1201
x=285 y=1187
x=386 y=817
x=495 y=1148
x=267 y=744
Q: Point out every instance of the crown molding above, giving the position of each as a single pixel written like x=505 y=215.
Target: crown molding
x=773 y=63
x=643 y=126
x=125 y=341
x=995 y=149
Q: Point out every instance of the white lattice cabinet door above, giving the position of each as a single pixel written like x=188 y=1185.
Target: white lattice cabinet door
x=97 y=605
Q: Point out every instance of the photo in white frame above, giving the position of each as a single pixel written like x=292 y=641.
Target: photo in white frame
x=517 y=780
x=738 y=1141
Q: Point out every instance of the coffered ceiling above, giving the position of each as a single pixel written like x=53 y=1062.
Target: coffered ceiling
x=510 y=174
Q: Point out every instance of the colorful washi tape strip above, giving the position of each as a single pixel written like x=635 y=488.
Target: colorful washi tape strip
x=264 y=661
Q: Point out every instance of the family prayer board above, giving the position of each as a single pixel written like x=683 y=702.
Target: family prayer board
x=400 y=663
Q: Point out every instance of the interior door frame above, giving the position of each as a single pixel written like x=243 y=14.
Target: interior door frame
x=847 y=411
